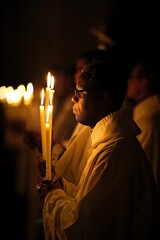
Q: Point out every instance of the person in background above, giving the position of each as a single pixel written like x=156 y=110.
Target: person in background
x=90 y=57
x=116 y=194
x=144 y=90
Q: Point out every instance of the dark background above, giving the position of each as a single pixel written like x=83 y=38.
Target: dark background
x=38 y=34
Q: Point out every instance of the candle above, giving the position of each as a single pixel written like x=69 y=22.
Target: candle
x=46 y=109
x=48 y=88
x=52 y=82
x=52 y=91
x=42 y=121
x=48 y=146
x=48 y=79
x=50 y=107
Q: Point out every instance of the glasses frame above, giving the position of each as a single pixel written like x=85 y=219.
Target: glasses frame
x=77 y=92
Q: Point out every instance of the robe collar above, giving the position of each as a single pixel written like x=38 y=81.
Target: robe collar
x=115 y=125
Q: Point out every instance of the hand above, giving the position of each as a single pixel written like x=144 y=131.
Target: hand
x=48 y=185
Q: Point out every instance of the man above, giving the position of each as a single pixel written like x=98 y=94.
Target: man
x=71 y=160
x=115 y=198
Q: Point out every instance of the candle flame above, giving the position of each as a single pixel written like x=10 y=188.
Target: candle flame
x=42 y=97
x=49 y=79
x=30 y=88
x=52 y=82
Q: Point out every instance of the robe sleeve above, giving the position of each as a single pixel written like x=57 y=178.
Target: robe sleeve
x=59 y=203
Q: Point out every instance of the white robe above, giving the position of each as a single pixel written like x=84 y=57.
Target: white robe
x=115 y=198
x=147 y=116
x=78 y=148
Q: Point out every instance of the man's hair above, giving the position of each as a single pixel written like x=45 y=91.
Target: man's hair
x=108 y=76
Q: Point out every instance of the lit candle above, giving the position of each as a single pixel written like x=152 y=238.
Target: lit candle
x=27 y=98
x=48 y=146
x=52 y=82
x=46 y=109
x=50 y=115
x=48 y=88
x=52 y=91
x=42 y=121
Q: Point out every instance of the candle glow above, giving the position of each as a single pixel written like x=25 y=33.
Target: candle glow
x=42 y=121
x=48 y=79
x=52 y=82
x=48 y=143
x=42 y=97
x=48 y=153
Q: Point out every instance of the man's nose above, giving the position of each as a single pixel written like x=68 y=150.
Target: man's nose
x=74 y=99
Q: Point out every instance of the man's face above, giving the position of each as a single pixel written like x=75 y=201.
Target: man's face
x=85 y=104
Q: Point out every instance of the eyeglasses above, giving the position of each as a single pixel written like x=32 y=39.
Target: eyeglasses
x=77 y=93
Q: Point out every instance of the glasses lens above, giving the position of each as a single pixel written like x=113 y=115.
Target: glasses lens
x=76 y=93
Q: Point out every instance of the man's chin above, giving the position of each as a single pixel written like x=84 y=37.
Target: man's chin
x=77 y=118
